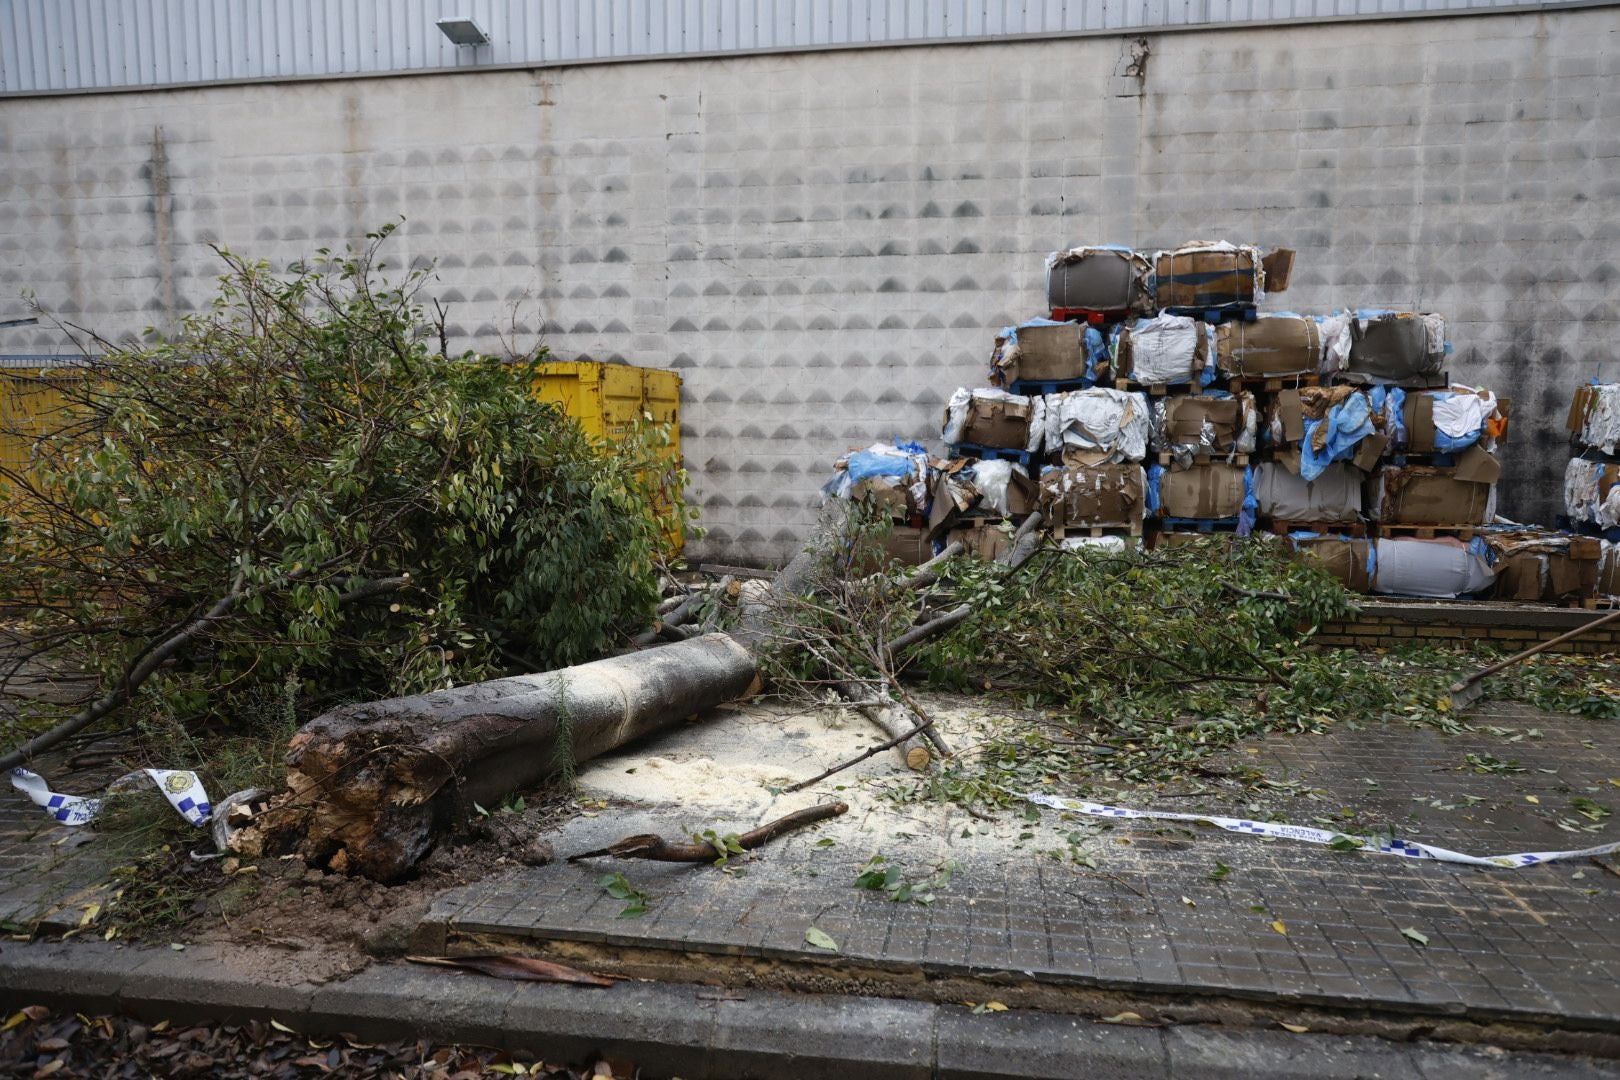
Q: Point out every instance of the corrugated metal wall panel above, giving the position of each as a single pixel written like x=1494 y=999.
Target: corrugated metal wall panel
x=67 y=45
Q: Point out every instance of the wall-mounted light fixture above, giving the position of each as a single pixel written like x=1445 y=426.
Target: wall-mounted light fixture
x=462 y=31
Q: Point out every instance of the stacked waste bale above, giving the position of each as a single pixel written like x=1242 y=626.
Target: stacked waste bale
x=1155 y=401
x=1592 y=478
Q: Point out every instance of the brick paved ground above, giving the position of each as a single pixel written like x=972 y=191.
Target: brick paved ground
x=1540 y=944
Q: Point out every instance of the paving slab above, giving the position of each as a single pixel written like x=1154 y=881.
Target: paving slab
x=1289 y=924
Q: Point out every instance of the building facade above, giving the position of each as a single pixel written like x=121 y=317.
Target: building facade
x=820 y=218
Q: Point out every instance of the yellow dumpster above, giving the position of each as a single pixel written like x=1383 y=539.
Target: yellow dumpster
x=609 y=400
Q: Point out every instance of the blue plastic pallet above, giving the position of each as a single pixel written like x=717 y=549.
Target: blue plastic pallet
x=1224 y=313
x=1203 y=525
x=1032 y=387
x=991 y=453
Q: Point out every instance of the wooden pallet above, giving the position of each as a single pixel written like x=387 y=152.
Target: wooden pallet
x=1192 y=386
x=1063 y=532
x=1269 y=384
x=1429 y=532
x=1357 y=529
x=1596 y=603
x=1204 y=457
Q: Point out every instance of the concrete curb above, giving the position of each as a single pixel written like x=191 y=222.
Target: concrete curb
x=693 y=1031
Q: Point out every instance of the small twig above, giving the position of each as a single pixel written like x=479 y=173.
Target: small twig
x=920 y=729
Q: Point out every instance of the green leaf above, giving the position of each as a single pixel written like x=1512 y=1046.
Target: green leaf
x=820 y=939
x=1415 y=935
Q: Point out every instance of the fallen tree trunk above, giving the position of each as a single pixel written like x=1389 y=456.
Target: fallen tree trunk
x=371 y=787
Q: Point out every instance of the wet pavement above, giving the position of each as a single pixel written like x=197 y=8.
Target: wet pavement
x=1147 y=908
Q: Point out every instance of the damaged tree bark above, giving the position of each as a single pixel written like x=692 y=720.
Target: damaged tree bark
x=371 y=787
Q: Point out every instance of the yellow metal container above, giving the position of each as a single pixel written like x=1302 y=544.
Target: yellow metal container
x=609 y=400
x=31 y=404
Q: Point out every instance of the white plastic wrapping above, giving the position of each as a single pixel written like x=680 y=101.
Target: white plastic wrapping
x=1115 y=544
x=992 y=479
x=1600 y=429
x=1335 y=334
x=1333 y=496
x=1211 y=440
x=1110 y=423
x=1439 y=568
x=956 y=412
x=1165 y=349
x=1464 y=412
x=1584 y=500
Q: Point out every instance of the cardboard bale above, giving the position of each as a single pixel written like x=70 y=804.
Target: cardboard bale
x=1334 y=496
x=1428 y=495
x=1103 y=496
x=908 y=545
x=990 y=418
x=1049 y=352
x=955 y=499
x=981 y=540
x=1272 y=345
x=1608 y=583
x=1164 y=349
x=1594 y=417
x=1206 y=275
x=1532 y=564
x=1418 y=417
x=895 y=499
x=1396 y=349
x=1183 y=419
x=1208 y=489
x=1342 y=556
x=1592 y=492
x=1105 y=280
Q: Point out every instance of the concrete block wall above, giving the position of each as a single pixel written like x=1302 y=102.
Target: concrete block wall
x=824 y=244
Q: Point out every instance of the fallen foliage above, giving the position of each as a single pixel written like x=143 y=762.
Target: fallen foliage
x=40 y=1043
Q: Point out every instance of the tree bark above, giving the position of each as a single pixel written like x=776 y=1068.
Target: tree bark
x=371 y=787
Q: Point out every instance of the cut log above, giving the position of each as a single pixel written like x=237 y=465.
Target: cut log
x=371 y=787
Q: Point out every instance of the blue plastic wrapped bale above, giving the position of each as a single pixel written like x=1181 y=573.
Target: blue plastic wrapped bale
x=1342 y=429
x=1452 y=420
x=892 y=476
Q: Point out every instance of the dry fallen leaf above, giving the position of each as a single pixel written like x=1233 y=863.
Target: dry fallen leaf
x=1297 y=1029
x=1122 y=1018
x=1280 y=926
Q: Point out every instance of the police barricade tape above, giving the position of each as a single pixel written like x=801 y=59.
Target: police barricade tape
x=180 y=786
x=1384 y=846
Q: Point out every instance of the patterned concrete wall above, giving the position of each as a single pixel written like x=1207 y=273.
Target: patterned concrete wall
x=824 y=244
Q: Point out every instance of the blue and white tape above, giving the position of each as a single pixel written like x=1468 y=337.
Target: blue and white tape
x=180 y=786
x=1385 y=846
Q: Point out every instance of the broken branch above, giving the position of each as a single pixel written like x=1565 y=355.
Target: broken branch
x=651 y=846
